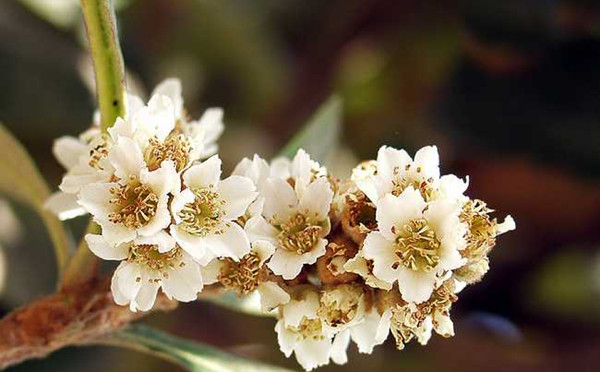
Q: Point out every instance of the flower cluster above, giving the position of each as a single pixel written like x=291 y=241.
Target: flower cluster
x=385 y=251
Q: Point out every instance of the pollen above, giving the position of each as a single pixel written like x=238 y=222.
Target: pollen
x=175 y=147
x=481 y=235
x=135 y=204
x=299 y=234
x=417 y=246
x=205 y=214
x=242 y=276
x=339 y=305
x=309 y=329
x=147 y=255
x=98 y=152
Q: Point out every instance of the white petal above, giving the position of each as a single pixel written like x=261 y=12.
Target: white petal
x=194 y=245
x=128 y=280
x=301 y=169
x=183 y=283
x=212 y=123
x=453 y=187
x=205 y=174
x=211 y=272
x=317 y=198
x=280 y=168
x=68 y=150
x=312 y=354
x=377 y=248
x=396 y=211
x=159 y=221
x=443 y=325
x=280 y=199
x=428 y=161
x=116 y=234
x=289 y=264
x=98 y=245
x=158 y=118
x=263 y=249
x=171 y=88
x=295 y=310
x=237 y=192
x=391 y=160
x=372 y=331
x=271 y=296
x=95 y=198
x=258 y=228
x=339 y=347
x=285 y=338
x=161 y=239
x=233 y=243
x=508 y=224
x=180 y=199
x=163 y=180
x=80 y=176
x=145 y=297
x=372 y=187
x=64 y=206
x=415 y=286
x=126 y=157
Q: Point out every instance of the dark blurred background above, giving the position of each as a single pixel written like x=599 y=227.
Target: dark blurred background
x=508 y=90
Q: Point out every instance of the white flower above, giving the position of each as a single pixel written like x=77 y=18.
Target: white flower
x=148 y=264
x=363 y=267
x=203 y=133
x=258 y=171
x=136 y=203
x=294 y=219
x=301 y=331
x=205 y=212
x=394 y=171
x=248 y=275
x=416 y=242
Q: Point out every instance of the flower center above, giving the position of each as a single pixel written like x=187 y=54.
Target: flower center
x=175 y=147
x=135 y=203
x=339 y=305
x=299 y=234
x=205 y=214
x=481 y=235
x=401 y=182
x=148 y=255
x=98 y=152
x=311 y=329
x=417 y=246
x=242 y=276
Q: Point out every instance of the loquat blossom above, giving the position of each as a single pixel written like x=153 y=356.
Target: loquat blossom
x=295 y=217
x=206 y=210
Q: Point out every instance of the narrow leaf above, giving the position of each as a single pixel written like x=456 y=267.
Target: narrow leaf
x=320 y=134
x=193 y=356
x=22 y=181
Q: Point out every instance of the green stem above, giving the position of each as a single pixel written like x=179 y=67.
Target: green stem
x=109 y=69
x=108 y=61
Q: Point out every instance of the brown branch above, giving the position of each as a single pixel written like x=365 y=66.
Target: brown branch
x=67 y=318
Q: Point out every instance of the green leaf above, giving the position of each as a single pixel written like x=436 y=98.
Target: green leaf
x=193 y=356
x=22 y=182
x=321 y=134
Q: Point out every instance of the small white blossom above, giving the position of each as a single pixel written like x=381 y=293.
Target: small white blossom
x=295 y=219
x=205 y=212
x=301 y=331
x=148 y=264
x=416 y=243
x=135 y=204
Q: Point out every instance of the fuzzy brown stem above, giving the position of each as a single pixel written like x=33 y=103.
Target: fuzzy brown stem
x=67 y=318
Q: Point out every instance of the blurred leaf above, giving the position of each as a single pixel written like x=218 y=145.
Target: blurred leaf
x=22 y=181
x=321 y=134
x=193 y=356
